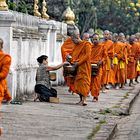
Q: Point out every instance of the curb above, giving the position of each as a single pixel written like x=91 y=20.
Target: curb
x=127 y=103
x=137 y=92
x=108 y=130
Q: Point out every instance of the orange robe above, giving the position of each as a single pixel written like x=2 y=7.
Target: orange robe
x=98 y=53
x=131 y=67
x=138 y=59
x=117 y=52
x=5 y=62
x=66 y=49
x=128 y=51
x=81 y=55
x=122 y=63
x=107 y=71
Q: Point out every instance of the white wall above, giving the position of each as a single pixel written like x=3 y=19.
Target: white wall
x=31 y=37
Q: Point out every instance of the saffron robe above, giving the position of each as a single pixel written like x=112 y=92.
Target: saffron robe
x=120 y=63
x=132 y=56
x=107 y=71
x=98 y=53
x=5 y=62
x=81 y=55
x=66 y=49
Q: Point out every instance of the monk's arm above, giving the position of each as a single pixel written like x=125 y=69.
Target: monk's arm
x=87 y=55
x=6 y=62
x=104 y=54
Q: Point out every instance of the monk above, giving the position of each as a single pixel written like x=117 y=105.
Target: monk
x=66 y=50
x=107 y=65
x=97 y=57
x=138 y=58
x=81 y=60
x=127 y=50
x=119 y=62
x=86 y=36
x=132 y=56
x=5 y=62
x=116 y=60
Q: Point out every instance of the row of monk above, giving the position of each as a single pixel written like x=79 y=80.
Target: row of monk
x=101 y=61
x=98 y=62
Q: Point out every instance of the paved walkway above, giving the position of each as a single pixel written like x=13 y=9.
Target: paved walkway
x=129 y=127
x=66 y=120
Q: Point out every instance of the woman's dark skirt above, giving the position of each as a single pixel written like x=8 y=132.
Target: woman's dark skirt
x=45 y=93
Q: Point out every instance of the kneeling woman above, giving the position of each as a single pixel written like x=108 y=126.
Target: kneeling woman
x=43 y=85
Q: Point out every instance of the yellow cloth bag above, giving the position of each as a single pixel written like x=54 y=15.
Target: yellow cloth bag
x=138 y=66
x=127 y=61
x=115 y=61
x=122 y=65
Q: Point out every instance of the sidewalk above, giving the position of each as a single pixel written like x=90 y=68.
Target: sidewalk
x=66 y=120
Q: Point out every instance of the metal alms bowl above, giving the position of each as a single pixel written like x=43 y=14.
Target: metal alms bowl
x=69 y=70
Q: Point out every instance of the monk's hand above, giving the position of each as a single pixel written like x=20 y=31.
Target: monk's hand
x=112 y=66
x=68 y=58
x=100 y=63
x=115 y=55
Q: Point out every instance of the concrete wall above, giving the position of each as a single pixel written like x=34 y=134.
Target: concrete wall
x=26 y=37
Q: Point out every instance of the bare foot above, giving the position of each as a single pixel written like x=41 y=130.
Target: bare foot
x=95 y=99
x=36 y=97
x=104 y=91
x=79 y=103
x=84 y=104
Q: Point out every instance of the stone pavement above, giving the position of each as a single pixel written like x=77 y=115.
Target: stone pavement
x=66 y=120
x=129 y=126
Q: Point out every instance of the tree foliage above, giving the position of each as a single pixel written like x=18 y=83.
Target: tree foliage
x=114 y=15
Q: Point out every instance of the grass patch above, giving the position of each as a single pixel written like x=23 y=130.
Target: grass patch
x=116 y=106
x=102 y=121
x=126 y=95
x=96 y=129
x=105 y=111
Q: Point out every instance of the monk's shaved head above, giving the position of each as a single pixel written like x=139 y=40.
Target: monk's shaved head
x=121 y=35
x=132 y=39
x=115 y=35
x=106 y=34
x=75 y=33
x=95 y=39
x=137 y=35
x=76 y=36
x=85 y=36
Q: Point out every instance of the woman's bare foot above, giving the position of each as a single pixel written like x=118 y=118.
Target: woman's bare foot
x=36 y=97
